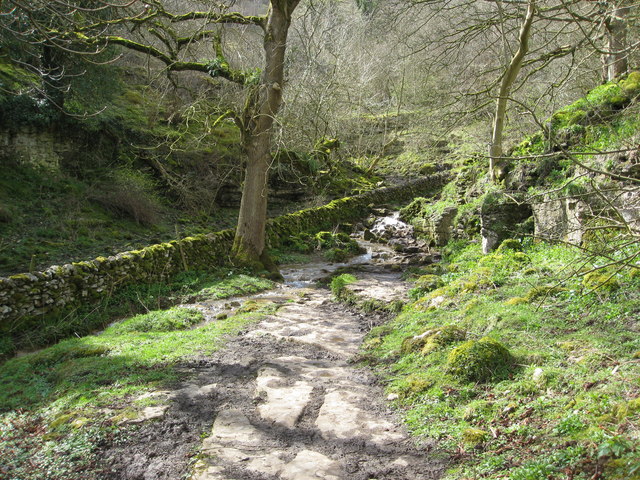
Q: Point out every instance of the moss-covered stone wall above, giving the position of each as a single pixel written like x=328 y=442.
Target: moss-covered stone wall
x=350 y=208
x=27 y=298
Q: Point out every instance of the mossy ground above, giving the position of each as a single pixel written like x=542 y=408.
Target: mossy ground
x=603 y=119
x=566 y=404
x=60 y=405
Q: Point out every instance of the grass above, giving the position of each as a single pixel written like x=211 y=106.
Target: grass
x=60 y=405
x=132 y=300
x=567 y=407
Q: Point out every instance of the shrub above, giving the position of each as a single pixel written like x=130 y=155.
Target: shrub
x=480 y=360
x=130 y=193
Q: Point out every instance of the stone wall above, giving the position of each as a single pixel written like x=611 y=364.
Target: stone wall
x=27 y=300
x=568 y=219
x=51 y=149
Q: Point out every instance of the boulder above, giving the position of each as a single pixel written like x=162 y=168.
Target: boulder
x=480 y=360
x=560 y=219
x=502 y=217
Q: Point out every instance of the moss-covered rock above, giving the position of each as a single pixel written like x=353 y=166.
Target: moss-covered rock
x=510 y=244
x=536 y=293
x=631 y=85
x=428 y=283
x=480 y=360
x=414 y=384
x=627 y=409
x=443 y=336
x=601 y=280
x=433 y=339
x=472 y=437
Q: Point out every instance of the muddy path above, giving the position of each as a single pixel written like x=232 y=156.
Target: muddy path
x=284 y=399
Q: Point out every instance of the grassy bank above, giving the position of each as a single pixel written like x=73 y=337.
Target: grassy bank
x=519 y=364
x=60 y=405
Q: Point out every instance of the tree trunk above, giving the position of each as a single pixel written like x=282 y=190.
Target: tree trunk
x=497 y=164
x=249 y=243
x=616 y=27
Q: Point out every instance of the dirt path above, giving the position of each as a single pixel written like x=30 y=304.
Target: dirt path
x=285 y=403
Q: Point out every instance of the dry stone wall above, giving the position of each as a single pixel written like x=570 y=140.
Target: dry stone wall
x=30 y=299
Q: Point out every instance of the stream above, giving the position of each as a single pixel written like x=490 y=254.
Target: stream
x=285 y=399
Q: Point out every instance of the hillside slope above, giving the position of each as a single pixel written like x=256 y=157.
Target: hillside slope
x=131 y=163
x=524 y=363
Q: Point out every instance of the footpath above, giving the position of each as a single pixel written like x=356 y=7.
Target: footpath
x=298 y=409
x=287 y=398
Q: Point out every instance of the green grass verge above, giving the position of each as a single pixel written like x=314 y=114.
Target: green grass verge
x=131 y=300
x=58 y=406
x=561 y=401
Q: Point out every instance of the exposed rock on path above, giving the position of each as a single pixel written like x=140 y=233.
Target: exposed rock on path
x=304 y=412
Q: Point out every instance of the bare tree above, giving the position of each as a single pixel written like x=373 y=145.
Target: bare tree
x=564 y=42
x=175 y=38
x=496 y=168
